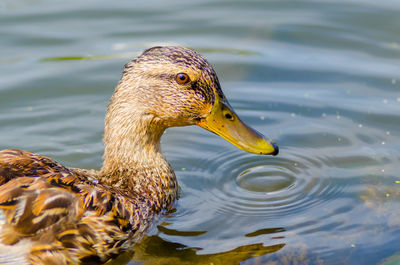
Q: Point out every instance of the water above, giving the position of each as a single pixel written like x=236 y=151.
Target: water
x=319 y=77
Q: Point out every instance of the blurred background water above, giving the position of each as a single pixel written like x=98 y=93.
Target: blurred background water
x=320 y=77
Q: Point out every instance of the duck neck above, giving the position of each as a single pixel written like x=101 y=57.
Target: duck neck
x=133 y=161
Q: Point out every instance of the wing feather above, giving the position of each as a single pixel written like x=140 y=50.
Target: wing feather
x=65 y=213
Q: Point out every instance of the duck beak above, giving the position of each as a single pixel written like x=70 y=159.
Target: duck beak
x=224 y=122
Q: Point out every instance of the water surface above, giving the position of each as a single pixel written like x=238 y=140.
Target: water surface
x=322 y=78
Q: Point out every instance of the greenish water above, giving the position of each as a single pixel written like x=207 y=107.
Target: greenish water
x=322 y=78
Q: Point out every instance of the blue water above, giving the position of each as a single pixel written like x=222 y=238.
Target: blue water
x=322 y=78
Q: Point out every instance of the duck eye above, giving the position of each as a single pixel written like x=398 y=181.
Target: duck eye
x=182 y=78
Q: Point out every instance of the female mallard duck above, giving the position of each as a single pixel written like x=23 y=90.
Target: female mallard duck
x=50 y=214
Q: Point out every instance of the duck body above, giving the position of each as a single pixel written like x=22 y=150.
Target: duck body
x=51 y=214
x=65 y=216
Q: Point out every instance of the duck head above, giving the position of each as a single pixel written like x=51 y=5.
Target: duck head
x=176 y=86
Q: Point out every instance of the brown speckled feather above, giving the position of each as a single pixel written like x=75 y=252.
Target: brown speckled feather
x=70 y=218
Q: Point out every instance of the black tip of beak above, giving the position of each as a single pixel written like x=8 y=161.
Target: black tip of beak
x=276 y=152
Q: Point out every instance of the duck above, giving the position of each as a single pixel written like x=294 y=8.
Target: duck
x=52 y=214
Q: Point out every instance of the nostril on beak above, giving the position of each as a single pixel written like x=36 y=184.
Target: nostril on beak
x=228 y=116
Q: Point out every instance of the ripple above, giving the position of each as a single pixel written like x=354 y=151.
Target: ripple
x=263 y=186
x=265 y=179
